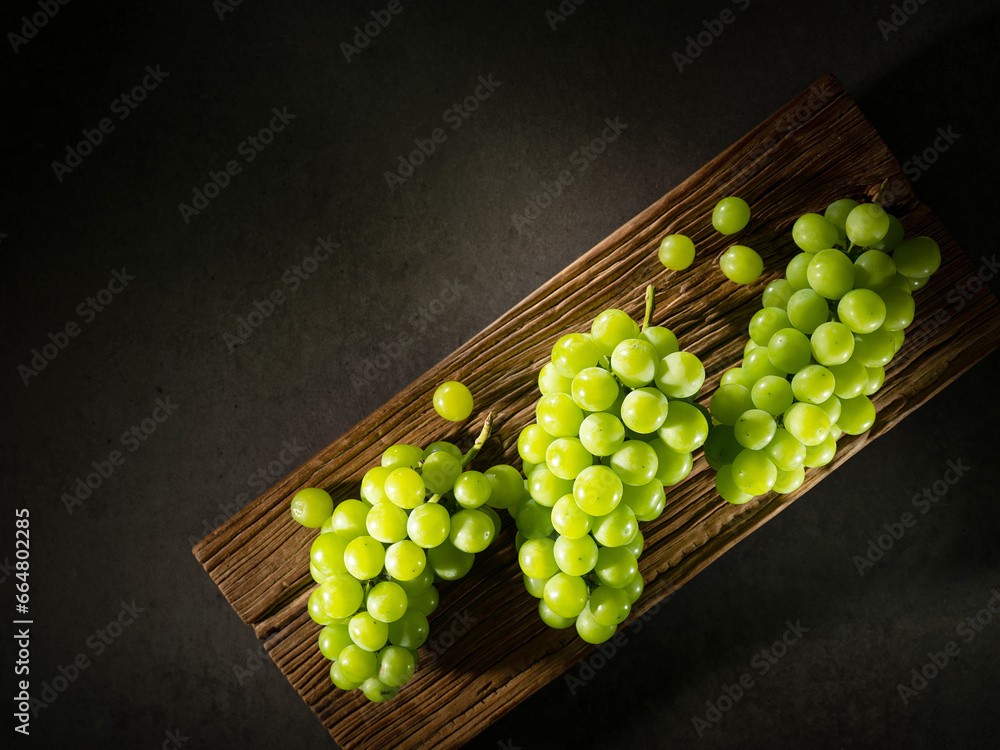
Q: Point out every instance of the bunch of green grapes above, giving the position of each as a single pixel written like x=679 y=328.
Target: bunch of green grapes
x=615 y=423
x=817 y=350
x=421 y=518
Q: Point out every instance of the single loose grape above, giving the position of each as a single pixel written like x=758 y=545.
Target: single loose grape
x=730 y=215
x=311 y=507
x=453 y=401
x=741 y=264
x=676 y=252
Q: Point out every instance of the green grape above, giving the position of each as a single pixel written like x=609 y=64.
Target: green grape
x=837 y=212
x=405 y=487
x=575 y=557
x=757 y=364
x=532 y=442
x=741 y=264
x=636 y=544
x=471 y=530
x=644 y=410
x=679 y=375
x=615 y=567
x=663 y=340
x=832 y=344
x=777 y=293
x=594 y=389
x=813 y=384
x=340 y=595
x=566 y=457
x=610 y=328
x=812 y=233
x=892 y=238
x=428 y=525
x=550 y=381
x=730 y=215
x=754 y=429
x=494 y=516
x=898 y=337
x=396 y=666
x=405 y=560
x=409 y=631
x=327 y=526
x=566 y=595
x=616 y=528
x=317 y=612
x=333 y=639
x=832 y=408
x=597 y=490
x=789 y=481
x=676 y=252
x=590 y=630
x=874 y=270
x=822 y=454
x=767 y=322
x=402 y=454
x=453 y=401
x=671 y=466
x=899 y=309
x=367 y=632
x=558 y=414
x=553 y=620
x=602 y=434
x=645 y=499
x=327 y=553
x=728 y=402
x=364 y=557
x=917 y=257
x=373 y=484
x=316 y=575
x=420 y=583
x=634 y=361
x=534 y=521
x=349 y=518
x=386 y=522
x=876 y=377
x=634 y=588
x=338 y=679
x=738 y=376
x=635 y=463
x=311 y=507
x=356 y=664
x=861 y=310
x=573 y=353
x=546 y=488
x=875 y=348
x=857 y=415
x=439 y=472
x=721 y=447
x=537 y=558
x=867 y=224
x=749 y=347
x=784 y=451
x=535 y=586
x=609 y=606
x=472 y=489
x=448 y=563
x=772 y=394
x=725 y=485
x=506 y=486
x=753 y=472
x=789 y=350
x=807 y=423
x=377 y=691
x=807 y=310
x=443 y=446
x=797 y=271
x=568 y=519
x=684 y=429
x=831 y=273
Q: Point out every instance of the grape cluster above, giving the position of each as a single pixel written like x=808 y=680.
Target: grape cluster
x=422 y=518
x=817 y=350
x=615 y=423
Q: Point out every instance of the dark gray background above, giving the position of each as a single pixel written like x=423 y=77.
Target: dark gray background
x=301 y=377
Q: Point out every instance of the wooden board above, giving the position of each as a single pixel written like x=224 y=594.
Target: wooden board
x=490 y=651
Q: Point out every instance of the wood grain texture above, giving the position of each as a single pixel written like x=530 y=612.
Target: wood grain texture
x=478 y=663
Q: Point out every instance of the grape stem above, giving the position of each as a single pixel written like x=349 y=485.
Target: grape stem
x=650 y=304
x=484 y=435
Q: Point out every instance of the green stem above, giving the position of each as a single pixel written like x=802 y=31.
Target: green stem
x=484 y=435
x=650 y=304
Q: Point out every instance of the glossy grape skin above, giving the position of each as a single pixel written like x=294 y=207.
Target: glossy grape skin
x=741 y=264
x=684 y=428
x=566 y=595
x=610 y=328
x=917 y=257
x=602 y=434
x=676 y=252
x=831 y=273
x=867 y=224
x=402 y=454
x=506 y=486
x=812 y=233
x=730 y=215
x=311 y=507
x=594 y=389
x=634 y=361
x=405 y=560
x=680 y=375
x=573 y=353
x=453 y=401
x=861 y=310
x=874 y=269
